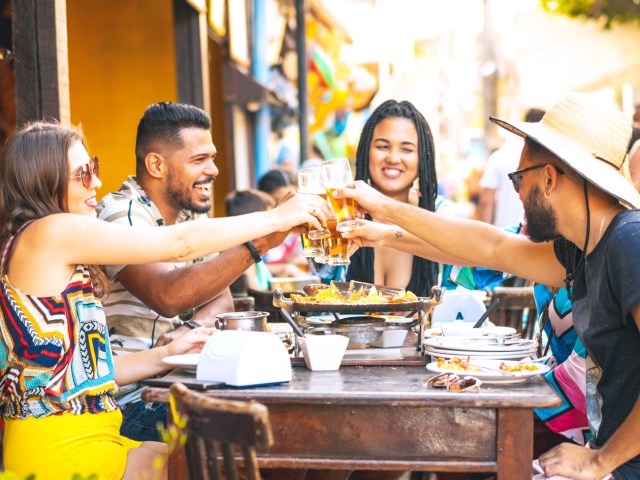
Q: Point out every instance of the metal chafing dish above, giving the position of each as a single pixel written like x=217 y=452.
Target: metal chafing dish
x=362 y=330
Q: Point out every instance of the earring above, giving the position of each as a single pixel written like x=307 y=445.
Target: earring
x=546 y=194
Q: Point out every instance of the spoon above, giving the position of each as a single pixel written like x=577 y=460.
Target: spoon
x=492 y=306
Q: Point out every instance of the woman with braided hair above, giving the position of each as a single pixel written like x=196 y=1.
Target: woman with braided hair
x=396 y=150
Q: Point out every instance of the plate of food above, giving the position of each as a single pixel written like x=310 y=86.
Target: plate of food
x=489 y=371
x=188 y=362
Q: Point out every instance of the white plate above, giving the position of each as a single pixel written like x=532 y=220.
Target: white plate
x=454 y=343
x=490 y=331
x=494 y=377
x=188 y=361
x=492 y=356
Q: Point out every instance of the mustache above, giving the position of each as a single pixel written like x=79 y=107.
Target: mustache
x=202 y=182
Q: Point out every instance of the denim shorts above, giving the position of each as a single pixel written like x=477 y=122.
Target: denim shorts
x=140 y=420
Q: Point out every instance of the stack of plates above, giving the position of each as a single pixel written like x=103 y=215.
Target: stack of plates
x=485 y=348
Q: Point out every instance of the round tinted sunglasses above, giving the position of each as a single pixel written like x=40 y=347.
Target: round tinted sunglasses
x=88 y=171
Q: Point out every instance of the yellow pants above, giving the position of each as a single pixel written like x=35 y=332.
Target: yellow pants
x=59 y=446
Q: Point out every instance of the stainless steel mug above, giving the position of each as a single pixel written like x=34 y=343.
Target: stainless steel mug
x=251 y=321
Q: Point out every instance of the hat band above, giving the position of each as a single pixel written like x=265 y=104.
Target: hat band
x=608 y=162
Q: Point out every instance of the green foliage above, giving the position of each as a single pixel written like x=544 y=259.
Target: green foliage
x=612 y=11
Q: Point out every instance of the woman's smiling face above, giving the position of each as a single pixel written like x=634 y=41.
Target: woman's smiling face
x=80 y=199
x=393 y=156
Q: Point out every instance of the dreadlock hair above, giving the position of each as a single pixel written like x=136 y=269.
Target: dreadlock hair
x=424 y=273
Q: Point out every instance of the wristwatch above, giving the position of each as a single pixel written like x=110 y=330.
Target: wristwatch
x=192 y=324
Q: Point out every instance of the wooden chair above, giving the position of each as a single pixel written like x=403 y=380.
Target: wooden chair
x=517 y=309
x=215 y=429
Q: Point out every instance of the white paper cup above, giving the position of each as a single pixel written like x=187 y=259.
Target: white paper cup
x=323 y=352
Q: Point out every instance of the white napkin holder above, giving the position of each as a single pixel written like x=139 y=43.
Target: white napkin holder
x=241 y=358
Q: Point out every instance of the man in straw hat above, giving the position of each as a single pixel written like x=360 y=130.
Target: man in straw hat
x=583 y=231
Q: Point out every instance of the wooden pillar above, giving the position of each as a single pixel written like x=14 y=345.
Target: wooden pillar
x=303 y=73
x=191 y=52
x=41 y=61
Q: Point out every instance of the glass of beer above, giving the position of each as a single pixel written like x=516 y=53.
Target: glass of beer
x=338 y=246
x=311 y=248
x=337 y=174
x=310 y=183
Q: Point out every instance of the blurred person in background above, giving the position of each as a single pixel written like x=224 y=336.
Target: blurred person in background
x=284 y=260
x=498 y=203
x=238 y=203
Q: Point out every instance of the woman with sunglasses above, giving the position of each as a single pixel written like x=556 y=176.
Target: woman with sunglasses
x=57 y=373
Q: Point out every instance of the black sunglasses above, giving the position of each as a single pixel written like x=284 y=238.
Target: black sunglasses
x=88 y=171
x=516 y=177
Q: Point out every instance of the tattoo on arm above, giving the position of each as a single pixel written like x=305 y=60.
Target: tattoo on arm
x=399 y=234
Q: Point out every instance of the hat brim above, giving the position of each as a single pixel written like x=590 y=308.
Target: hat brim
x=597 y=172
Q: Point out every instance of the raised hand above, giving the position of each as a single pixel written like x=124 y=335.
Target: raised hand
x=300 y=209
x=368 y=199
x=370 y=234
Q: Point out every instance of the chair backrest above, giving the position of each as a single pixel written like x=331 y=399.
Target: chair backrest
x=458 y=304
x=517 y=309
x=216 y=429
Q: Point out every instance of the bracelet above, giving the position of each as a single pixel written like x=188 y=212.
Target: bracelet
x=254 y=253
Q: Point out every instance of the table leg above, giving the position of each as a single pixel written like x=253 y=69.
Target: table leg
x=515 y=443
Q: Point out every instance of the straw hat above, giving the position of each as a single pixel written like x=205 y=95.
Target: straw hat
x=591 y=137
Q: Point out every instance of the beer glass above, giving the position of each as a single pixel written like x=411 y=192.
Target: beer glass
x=337 y=174
x=338 y=246
x=310 y=183
x=311 y=248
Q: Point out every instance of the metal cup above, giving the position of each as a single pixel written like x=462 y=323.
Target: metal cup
x=250 y=321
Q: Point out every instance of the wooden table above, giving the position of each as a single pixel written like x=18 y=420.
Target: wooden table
x=385 y=418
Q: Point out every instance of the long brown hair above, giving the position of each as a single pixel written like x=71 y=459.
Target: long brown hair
x=34 y=177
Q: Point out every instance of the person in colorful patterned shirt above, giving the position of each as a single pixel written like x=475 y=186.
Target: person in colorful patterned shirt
x=57 y=373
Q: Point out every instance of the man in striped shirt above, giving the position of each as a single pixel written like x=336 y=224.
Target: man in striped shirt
x=153 y=304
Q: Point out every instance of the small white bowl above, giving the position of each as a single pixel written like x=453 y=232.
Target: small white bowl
x=323 y=352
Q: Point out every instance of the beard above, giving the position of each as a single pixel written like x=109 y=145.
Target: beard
x=182 y=195
x=541 y=219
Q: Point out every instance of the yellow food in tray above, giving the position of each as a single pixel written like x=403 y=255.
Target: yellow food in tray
x=333 y=295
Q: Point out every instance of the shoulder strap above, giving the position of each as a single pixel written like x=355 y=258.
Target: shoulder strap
x=8 y=244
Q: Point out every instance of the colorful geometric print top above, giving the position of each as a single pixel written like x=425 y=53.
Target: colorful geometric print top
x=54 y=351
